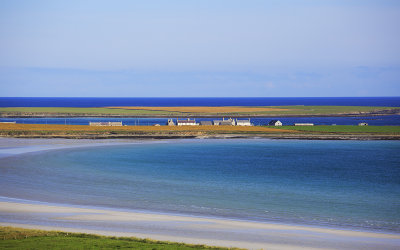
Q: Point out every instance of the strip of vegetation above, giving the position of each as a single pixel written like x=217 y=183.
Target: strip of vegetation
x=19 y=238
x=85 y=131
x=197 y=111
x=345 y=129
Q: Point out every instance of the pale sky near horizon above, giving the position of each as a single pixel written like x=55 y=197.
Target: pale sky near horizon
x=211 y=48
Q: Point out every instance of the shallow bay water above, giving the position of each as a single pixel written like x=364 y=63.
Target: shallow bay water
x=353 y=184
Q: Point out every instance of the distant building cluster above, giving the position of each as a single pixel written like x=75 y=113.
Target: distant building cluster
x=223 y=122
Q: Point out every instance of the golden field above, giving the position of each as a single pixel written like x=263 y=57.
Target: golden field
x=230 y=109
x=87 y=128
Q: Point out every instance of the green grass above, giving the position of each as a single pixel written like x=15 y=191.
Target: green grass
x=18 y=238
x=346 y=129
x=325 y=110
x=292 y=110
x=99 y=111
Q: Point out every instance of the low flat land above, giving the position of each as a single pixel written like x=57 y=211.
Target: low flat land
x=265 y=111
x=284 y=132
x=346 y=129
x=86 y=131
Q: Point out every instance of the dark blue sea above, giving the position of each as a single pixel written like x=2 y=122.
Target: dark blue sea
x=206 y=101
x=339 y=184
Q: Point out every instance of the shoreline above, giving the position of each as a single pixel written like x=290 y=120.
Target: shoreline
x=201 y=216
x=298 y=136
x=191 y=229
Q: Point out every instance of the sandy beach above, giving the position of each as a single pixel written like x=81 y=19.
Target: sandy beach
x=197 y=230
x=171 y=227
x=15 y=146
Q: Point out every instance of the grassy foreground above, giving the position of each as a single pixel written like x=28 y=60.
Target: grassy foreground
x=19 y=238
x=233 y=111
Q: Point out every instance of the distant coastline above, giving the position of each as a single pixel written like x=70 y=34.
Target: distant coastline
x=199 y=111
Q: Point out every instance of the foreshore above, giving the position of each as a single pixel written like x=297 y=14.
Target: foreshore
x=215 y=136
x=189 y=229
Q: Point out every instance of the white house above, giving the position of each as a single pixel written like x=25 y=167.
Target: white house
x=170 y=122
x=243 y=122
x=187 y=122
x=275 y=123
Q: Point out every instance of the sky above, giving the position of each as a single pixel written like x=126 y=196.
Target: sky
x=209 y=48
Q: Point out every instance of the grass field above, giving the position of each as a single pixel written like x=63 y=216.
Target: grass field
x=18 y=238
x=85 y=130
x=345 y=129
x=195 y=111
x=201 y=110
x=44 y=129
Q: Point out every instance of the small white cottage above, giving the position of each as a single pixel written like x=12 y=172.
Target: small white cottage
x=275 y=123
x=243 y=122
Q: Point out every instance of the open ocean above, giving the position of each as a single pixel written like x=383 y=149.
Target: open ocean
x=196 y=101
x=339 y=184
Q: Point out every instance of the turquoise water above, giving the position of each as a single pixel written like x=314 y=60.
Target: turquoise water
x=352 y=184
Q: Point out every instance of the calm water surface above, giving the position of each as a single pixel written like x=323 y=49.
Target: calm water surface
x=195 y=101
x=352 y=184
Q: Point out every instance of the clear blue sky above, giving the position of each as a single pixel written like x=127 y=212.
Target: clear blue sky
x=270 y=48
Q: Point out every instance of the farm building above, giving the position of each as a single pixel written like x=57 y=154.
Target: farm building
x=223 y=122
x=206 y=123
x=170 y=122
x=304 y=124
x=363 y=124
x=243 y=122
x=187 y=122
x=275 y=123
x=105 y=123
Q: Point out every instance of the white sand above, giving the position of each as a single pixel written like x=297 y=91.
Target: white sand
x=196 y=230
x=15 y=146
